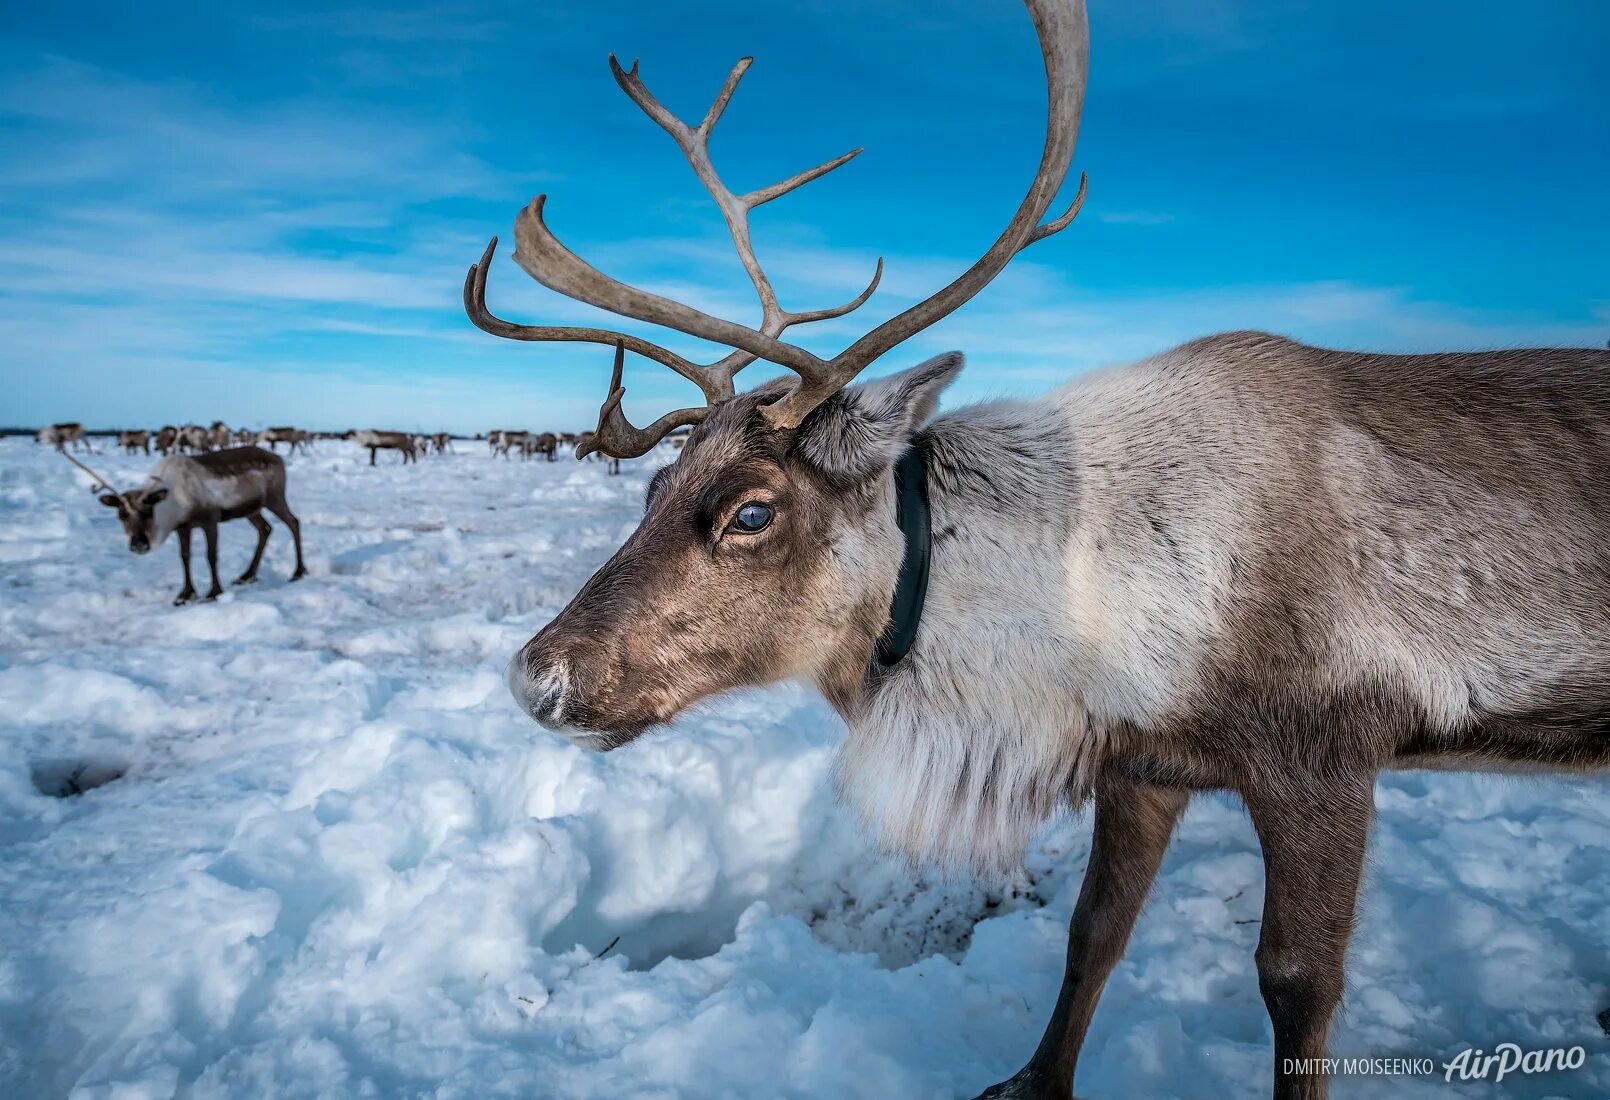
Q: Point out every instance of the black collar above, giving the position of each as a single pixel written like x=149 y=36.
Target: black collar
x=911 y=512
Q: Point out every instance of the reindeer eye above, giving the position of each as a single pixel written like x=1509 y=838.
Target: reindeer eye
x=752 y=517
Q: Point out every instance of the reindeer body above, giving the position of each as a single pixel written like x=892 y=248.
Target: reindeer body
x=509 y=441
x=135 y=440
x=183 y=493
x=60 y=435
x=295 y=438
x=1405 y=558
x=194 y=439
x=401 y=442
x=167 y=440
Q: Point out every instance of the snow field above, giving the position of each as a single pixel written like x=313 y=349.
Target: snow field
x=336 y=860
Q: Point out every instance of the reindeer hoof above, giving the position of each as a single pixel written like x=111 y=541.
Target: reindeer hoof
x=1027 y=1084
x=245 y=578
x=184 y=597
x=299 y=574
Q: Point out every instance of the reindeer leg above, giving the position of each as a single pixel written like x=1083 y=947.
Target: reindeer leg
x=188 y=592
x=277 y=505
x=1313 y=854
x=209 y=528
x=1133 y=824
x=263 y=530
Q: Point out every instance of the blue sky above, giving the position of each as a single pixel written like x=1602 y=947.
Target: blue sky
x=264 y=212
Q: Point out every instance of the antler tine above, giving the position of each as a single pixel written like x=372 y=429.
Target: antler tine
x=694 y=141
x=1065 y=47
x=616 y=437
x=107 y=485
x=486 y=321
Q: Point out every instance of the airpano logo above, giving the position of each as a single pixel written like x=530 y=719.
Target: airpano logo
x=1508 y=1058
x=1472 y=1064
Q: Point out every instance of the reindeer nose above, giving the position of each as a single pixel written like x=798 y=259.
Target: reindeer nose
x=540 y=694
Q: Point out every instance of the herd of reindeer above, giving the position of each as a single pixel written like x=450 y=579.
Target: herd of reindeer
x=194 y=439
x=211 y=475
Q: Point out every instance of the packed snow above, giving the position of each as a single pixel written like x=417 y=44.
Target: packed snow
x=301 y=843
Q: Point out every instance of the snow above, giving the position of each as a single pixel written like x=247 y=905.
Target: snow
x=327 y=856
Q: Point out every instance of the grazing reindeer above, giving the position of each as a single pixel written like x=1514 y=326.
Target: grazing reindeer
x=183 y=493
x=1244 y=564
x=443 y=442
x=387 y=441
x=167 y=440
x=219 y=435
x=546 y=445
x=494 y=442
x=134 y=441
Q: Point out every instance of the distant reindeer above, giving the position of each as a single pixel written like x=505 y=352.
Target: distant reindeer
x=245 y=436
x=183 y=493
x=546 y=445
x=134 y=441
x=510 y=442
x=60 y=435
x=1244 y=565
x=219 y=435
x=195 y=439
x=401 y=442
x=494 y=442
x=292 y=437
x=443 y=442
x=167 y=440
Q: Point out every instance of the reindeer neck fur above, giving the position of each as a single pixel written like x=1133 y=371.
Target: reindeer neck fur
x=966 y=745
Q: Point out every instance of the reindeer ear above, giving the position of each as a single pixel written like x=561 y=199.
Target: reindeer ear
x=156 y=496
x=109 y=500
x=859 y=433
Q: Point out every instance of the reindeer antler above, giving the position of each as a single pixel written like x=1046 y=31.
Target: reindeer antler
x=107 y=485
x=1064 y=45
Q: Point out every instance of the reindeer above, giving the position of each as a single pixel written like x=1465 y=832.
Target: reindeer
x=509 y=440
x=183 y=493
x=134 y=440
x=387 y=441
x=219 y=435
x=195 y=439
x=494 y=441
x=546 y=445
x=443 y=442
x=167 y=440
x=1243 y=564
x=59 y=435
x=292 y=437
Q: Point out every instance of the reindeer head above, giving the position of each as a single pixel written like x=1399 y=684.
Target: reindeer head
x=768 y=549
x=136 y=510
